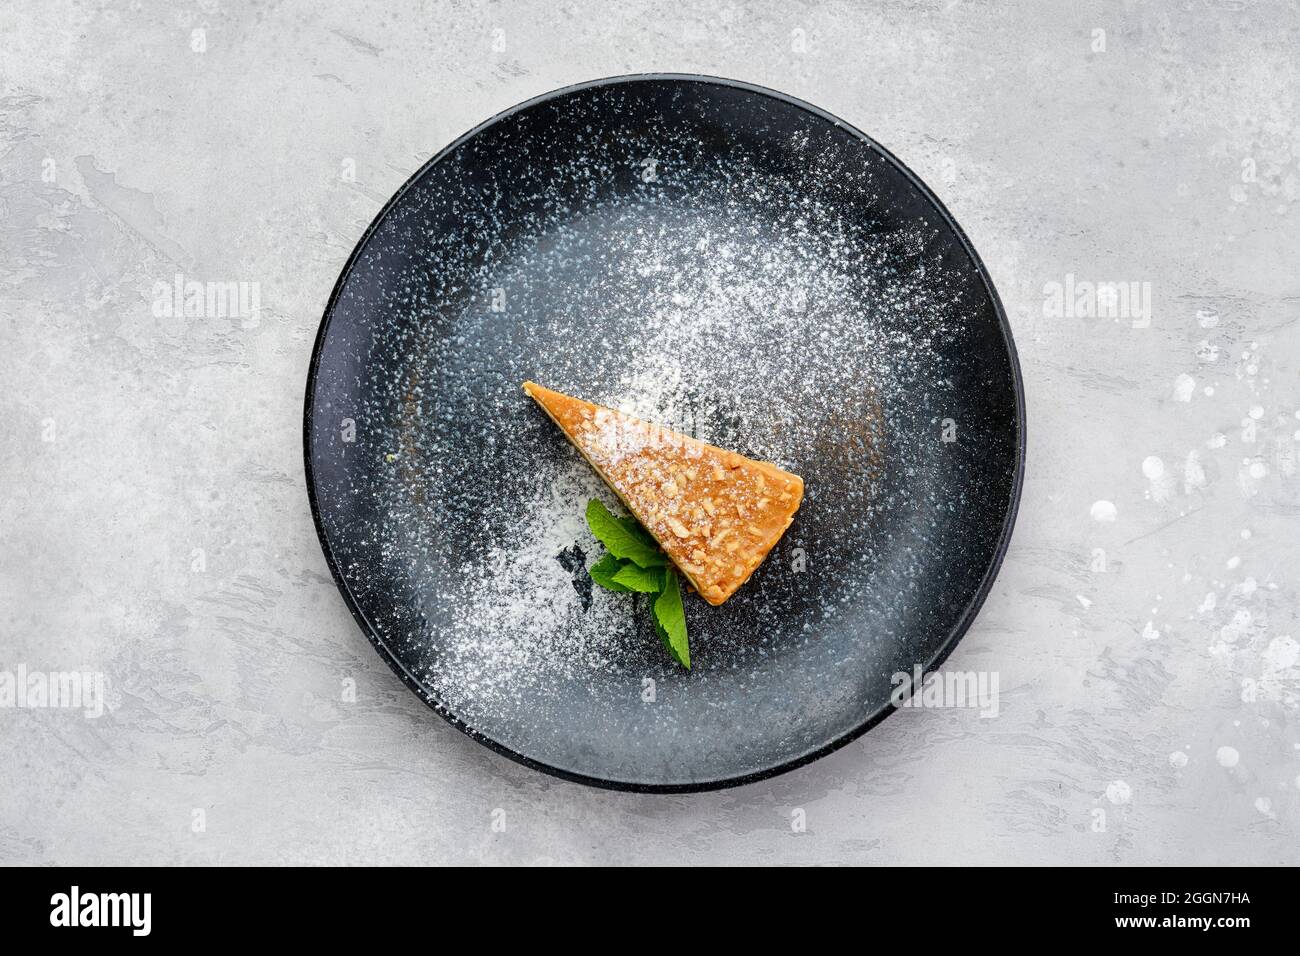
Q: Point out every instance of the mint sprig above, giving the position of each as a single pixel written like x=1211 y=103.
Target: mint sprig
x=636 y=564
x=670 y=620
x=623 y=542
x=604 y=571
x=643 y=580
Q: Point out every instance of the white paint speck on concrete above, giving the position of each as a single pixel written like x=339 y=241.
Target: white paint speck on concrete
x=1227 y=756
x=1119 y=792
x=1103 y=511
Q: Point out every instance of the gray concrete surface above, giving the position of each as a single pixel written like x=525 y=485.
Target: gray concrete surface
x=155 y=527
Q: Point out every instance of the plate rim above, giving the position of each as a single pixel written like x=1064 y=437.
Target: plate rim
x=955 y=634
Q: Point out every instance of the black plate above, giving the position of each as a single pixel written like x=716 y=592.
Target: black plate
x=725 y=260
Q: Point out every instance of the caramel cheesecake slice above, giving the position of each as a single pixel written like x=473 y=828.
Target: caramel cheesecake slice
x=715 y=513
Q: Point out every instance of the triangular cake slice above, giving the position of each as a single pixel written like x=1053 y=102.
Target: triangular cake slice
x=716 y=513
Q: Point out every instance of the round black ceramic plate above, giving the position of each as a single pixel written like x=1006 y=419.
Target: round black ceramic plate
x=727 y=261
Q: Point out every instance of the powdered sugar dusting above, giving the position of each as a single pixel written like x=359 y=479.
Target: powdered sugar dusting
x=771 y=342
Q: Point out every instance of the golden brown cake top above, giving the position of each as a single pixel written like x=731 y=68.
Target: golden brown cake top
x=715 y=513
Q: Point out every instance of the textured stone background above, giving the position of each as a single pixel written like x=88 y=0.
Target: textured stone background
x=1137 y=657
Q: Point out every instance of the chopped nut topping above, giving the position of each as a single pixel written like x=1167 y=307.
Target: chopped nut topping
x=707 y=505
x=719 y=537
x=679 y=529
x=756 y=532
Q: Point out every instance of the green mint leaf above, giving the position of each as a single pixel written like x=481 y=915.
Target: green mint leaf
x=659 y=629
x=604 y=571
x=670 y=620
x=635 y=563
x=637 y=529
x=622 y=542
x=643 y=580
